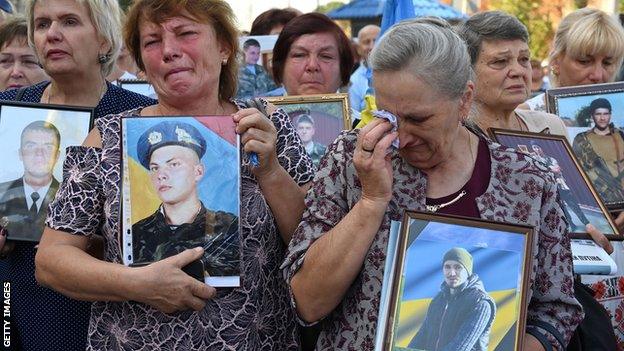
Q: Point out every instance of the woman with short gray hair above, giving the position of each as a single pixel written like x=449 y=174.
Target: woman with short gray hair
x=421 y=70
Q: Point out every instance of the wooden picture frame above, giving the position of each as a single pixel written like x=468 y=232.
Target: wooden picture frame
x=33 y=138
x=163 y=166
x=580 y=201
x=500 y=260
x=597 y=142
x=330 y=115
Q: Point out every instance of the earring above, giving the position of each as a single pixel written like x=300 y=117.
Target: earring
x=224 y=62
x=103 y=58
x=555 y=71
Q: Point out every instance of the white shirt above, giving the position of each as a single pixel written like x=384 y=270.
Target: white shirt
x=28 y=190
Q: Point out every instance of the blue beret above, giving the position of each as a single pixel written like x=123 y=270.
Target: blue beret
x=169 y=133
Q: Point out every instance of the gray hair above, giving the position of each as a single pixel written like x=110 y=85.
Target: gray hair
x=105 y=15
x=428 y=48
x=490 y=25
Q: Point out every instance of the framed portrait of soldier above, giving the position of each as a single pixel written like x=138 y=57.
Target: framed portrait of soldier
x=579 y=199
x=596 y=117
x=33 y=139
x=138 y=86
x=181 y=190
x=452 y=283
x=318 y=119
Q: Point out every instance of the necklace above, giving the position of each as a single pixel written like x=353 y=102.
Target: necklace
x=435 y=208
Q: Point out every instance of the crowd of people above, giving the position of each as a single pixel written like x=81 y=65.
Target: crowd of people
x=314 y=220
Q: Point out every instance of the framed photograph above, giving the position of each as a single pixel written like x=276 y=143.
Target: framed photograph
x=138 y=86
x=33 y=139
x=596 y=117
x=180 y=190
x=318 y=119
x=580 y=201
x=487 y=265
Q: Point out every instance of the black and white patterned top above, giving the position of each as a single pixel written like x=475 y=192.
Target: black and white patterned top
x=256 y=316
x=43 y=318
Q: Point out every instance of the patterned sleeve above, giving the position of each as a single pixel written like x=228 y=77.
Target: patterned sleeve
x=553 y=313
x=290 y=151
x=77 y=207
x=326 y=205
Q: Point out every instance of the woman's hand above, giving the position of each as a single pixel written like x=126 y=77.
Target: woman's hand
x=372 y=161
x=532 y=344
x=5 y=247
x=164 y=286
x=599 y=238
x=258 y=134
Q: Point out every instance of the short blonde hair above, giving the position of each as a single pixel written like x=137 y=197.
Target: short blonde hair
x=217 y=13
x=586 y=32
x=105 y=17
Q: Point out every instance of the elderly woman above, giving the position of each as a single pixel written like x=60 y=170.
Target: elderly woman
x=76 y=42
x=421 y=71
x=499 y=54
x=188 y=50
x=588 y=48
x=311 y=56
x=19 y=66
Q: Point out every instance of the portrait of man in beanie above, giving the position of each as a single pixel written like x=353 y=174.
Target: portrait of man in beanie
x=460 y=316
x=171 y=152
x=600 y=150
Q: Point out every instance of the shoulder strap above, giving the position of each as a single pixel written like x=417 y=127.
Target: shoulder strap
x=20 y=93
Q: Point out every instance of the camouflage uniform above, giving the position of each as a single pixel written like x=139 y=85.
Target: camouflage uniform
x=153 y=239
x=251 y=85
x=608 y=186
x=318 y=150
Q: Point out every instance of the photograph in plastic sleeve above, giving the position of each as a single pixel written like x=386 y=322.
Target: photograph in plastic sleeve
x=580 y=202
x=456 y=284
x=33 y=138
x=181 y=190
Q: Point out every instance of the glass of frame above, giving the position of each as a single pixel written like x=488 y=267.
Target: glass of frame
x=596 y=117
x=318 y=119
x=580 y=201
x=173 y=167
x=138 y=86
x=33 y=138
x=486 y=264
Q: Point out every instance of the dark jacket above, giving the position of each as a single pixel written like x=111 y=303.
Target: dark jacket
x=461 y=321
x=20 y=223
x=216 y=231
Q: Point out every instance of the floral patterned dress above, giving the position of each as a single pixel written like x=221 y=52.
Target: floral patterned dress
x=521 y=191
x=256 y=316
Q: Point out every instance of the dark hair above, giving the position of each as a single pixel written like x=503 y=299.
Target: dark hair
x=490 y=25
x=305 y=118
x=217 y=13
x=599 y=103
x=14 y=28
x=42 y=126
x=267 y=20
x=249 y=43
x=311 y=23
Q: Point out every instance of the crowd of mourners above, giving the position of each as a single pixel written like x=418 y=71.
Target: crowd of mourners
x=315 y=222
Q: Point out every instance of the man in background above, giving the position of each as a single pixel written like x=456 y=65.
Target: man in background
x=361 y=78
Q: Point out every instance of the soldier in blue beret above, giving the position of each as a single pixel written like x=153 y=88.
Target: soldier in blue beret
x=172 y=153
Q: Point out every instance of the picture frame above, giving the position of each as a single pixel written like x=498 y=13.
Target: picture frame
x=138 y=86
x=34 y=138
x=597 y=139
x=580 y=201
x=172 y=166
x=495 y=259
x=329 y=115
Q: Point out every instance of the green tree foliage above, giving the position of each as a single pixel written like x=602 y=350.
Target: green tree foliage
x=329 y=6
x=124 y=4
x=538 y=16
